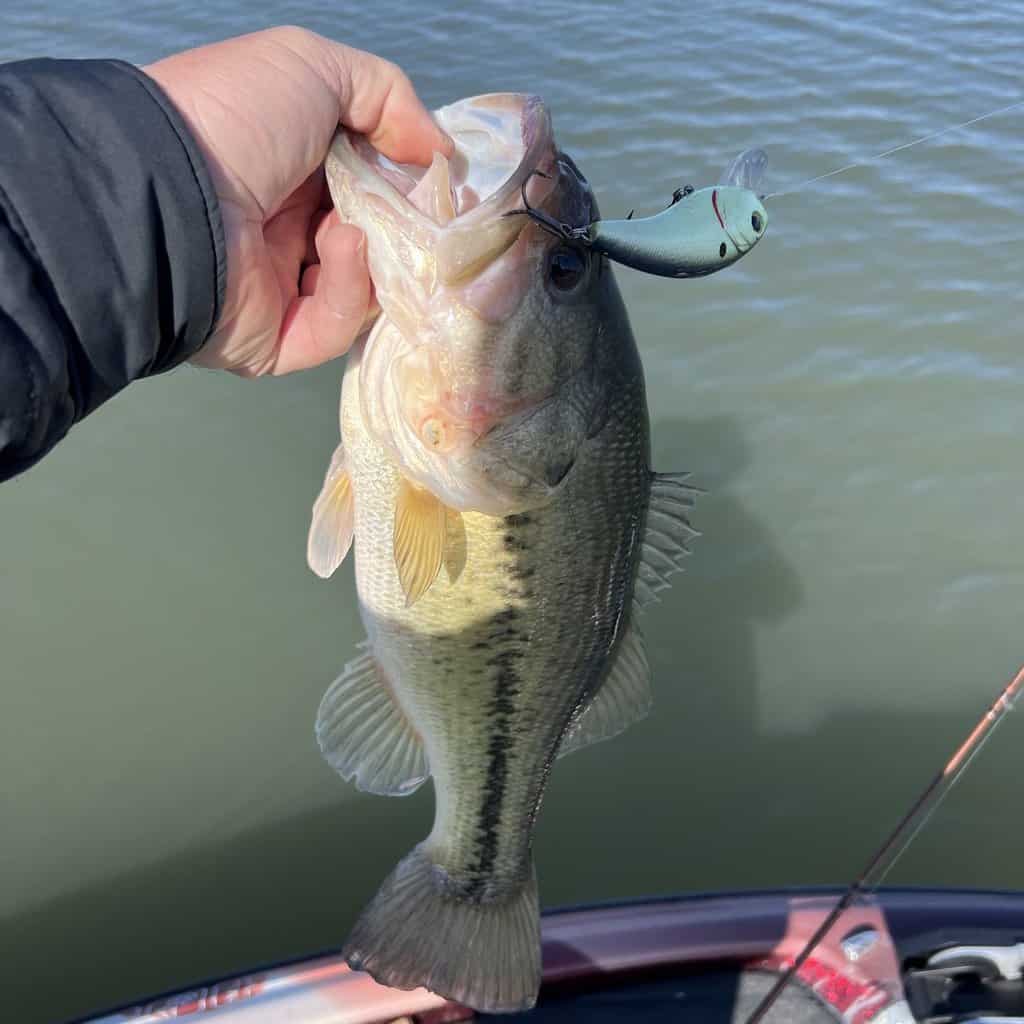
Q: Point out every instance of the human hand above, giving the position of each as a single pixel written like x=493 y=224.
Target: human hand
x=263 y=109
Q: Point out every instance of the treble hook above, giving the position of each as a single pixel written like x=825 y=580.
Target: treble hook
x=558 y=228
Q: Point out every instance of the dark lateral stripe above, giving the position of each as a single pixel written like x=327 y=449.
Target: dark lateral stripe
x=501 y=708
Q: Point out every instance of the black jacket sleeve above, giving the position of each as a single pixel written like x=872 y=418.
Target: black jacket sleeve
x=112 y=262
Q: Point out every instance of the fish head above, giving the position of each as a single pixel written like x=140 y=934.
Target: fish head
x=484 y=379
x=742 y=216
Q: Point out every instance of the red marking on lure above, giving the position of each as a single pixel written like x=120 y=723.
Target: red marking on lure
x=714 y=203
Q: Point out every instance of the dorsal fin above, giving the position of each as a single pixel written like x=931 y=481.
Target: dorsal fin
x=666 y=535
x=623 y=699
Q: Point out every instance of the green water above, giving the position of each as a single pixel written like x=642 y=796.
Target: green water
x=849 y=395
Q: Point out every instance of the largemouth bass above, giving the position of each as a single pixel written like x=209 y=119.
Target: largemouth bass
x=494 y=479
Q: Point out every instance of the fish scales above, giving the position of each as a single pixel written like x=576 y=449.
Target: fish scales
x=472 y=662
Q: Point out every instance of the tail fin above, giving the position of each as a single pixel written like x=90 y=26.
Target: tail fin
x=415 y=932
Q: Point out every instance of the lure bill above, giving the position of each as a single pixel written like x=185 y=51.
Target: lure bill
x=701 y=231
x=901 y=837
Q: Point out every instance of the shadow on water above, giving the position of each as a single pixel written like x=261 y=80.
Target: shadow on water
x=679 y=774
x=696 y=797
x=736 y=580
x=221 y=908
x=767 y=809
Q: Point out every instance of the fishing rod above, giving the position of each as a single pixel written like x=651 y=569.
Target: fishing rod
x=903 y=834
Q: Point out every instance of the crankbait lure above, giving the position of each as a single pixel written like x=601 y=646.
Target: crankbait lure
x=703 y=230
x=700 y=232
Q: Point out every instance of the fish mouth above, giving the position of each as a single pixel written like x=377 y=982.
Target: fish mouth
x=451 y=273
x=448 y=218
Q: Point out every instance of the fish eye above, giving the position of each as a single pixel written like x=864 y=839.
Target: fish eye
x=721 y=251
x=755 y=222
x=567 y=266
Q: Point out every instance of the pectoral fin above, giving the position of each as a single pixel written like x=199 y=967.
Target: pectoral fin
x=365 y=736
x=666 y=535
x=330 y=531
x=623 y=699
x=420 y=529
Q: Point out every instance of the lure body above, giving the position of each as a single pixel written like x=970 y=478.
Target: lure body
x=700 y=233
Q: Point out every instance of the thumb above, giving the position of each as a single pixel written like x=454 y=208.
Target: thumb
x=377 y=100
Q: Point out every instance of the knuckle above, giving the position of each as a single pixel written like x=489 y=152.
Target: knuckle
x=293 y=35
x=393 y=74
x=301 y=41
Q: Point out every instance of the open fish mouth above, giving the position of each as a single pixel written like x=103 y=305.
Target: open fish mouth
x=446 y=222
x=464 y=352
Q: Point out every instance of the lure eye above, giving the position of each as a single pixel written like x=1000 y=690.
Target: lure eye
x=566 y=267
x=756 y=222
x=722 y=251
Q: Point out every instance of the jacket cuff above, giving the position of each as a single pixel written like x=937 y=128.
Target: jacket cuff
x=211 y=226
x=109 y=195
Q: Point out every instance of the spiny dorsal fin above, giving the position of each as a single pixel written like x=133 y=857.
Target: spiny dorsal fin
x=364 y=735
x=330 y=530
x=666 y=535
x=623 y=699
x=420 y=528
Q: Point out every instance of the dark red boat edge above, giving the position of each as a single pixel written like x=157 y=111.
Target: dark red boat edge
x=596 y=946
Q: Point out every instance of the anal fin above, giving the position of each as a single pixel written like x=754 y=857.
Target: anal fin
x=623 y=699
x=365 y=736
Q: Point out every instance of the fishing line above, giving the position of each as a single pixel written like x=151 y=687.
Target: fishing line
x=895 y=149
